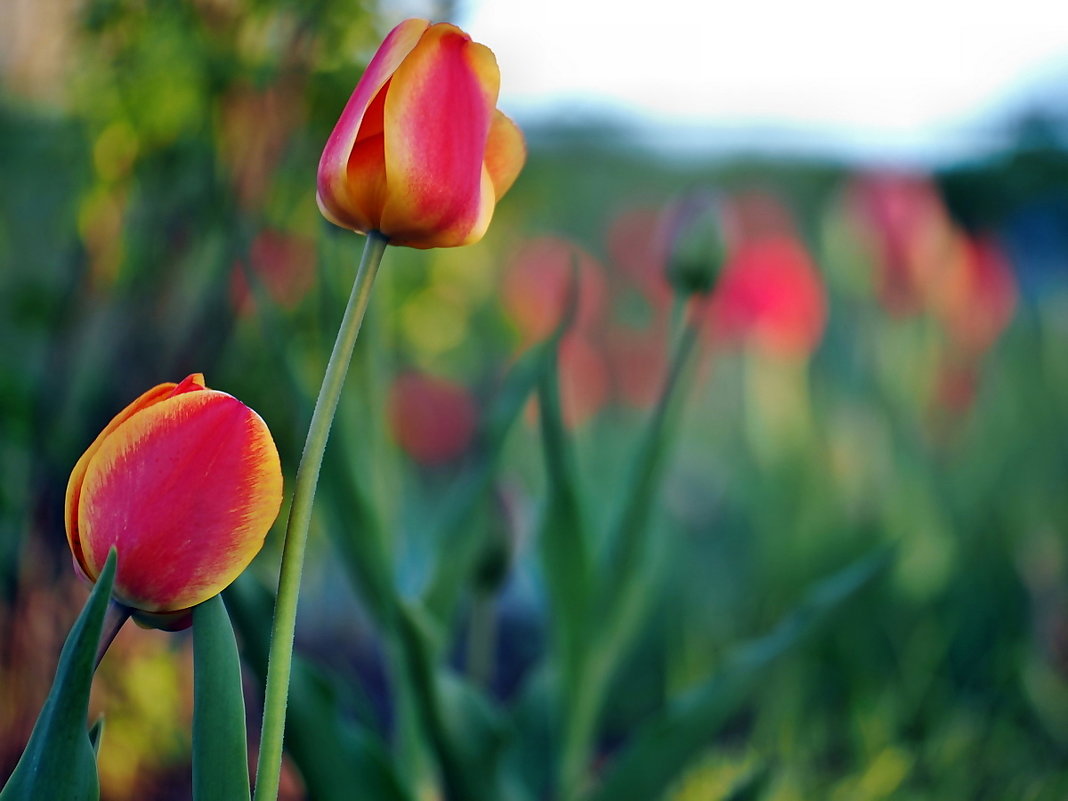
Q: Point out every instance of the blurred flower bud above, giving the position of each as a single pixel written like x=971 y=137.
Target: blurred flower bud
x=694 y=242
x=185 y=483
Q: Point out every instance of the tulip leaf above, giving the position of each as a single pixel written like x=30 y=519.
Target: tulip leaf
x=465 y=731
x=220 y=748
x=458 y=538
x=622 y=598
x=665 y=745
x=96 y=734
x=59 y=760
x=338 y=758
x=564 y=538
x=620 y=594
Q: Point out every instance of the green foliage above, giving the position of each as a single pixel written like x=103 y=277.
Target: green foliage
x=334 y=751
x=607 y=569
x=664 y=746
x=60 y=758
x=220 y=750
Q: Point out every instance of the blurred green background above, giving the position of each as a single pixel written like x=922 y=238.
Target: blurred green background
x=882 y=363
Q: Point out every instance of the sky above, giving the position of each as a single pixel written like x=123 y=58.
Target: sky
x=909 y=79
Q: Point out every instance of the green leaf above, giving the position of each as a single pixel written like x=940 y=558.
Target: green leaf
x=622 y=598
x=336 y=755
x=459 y=539
x=220 y=748
x=564 y=541
x=663 y=748
x=465 y=731
x=59 y=761
x=96 y=734
x=338 y=758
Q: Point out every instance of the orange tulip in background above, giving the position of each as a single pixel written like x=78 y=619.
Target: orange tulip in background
x=535 y=292
x=537 y=282
x=973 y=296
x=421 y=154
x=185 y=483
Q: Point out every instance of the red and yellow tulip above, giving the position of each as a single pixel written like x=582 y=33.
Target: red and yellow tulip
x=184 y=483
x=420 y=154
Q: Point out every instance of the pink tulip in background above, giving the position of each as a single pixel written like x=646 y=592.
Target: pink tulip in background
x=772 y=295
x=432 y=419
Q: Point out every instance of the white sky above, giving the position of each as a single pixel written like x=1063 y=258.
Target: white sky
x=898 y=74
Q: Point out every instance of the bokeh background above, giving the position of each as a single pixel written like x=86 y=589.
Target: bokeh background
x=883 y=361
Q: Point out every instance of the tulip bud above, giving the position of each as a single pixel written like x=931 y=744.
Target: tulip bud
x=695 y=247
x=185 y=483
x=420 y=154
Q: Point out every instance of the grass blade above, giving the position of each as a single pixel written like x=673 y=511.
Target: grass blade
x=664 y=747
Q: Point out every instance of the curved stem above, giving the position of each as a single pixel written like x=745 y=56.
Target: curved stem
x=280 y=660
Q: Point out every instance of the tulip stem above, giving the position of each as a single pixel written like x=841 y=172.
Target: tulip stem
x=280 y=660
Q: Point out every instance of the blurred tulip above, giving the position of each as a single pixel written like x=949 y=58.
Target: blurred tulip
x=285 y=263
x=432 y=419
x=757 y=214
x=255 y=126
x=638 y=362
x=420 y=154
x=535 y=293
x=974 y=296
x=770 y=294
x=635 y=247
x=537 y=281
x=184 y=482
x=584 y=379
x=906 y=228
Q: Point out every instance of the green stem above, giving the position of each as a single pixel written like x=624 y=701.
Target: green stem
x=280 y=660
x=481 y=639
x=621 y=602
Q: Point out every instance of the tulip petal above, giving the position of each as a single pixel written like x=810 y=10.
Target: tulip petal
x=506 y=151
x=186 y=489
x=366 y=177
x=437 y=119
x=77 y=476
x=334 y=196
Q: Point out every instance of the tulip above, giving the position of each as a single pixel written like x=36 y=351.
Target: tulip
x=771 y=294
x=184 y=483
x=431 y=418
x=420 y=154
x=537 y=284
